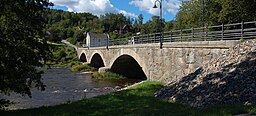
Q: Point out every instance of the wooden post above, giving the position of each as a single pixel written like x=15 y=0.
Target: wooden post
x=242 y=30
x=148 y=38
x=222 y=31
x=171 y=36
x=192 y=33
x=180 y=34
x=206 y=31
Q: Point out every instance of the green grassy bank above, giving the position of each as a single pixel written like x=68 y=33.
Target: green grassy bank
x=138 y=100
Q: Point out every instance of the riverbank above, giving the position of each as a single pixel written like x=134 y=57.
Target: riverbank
x=136 y=100
x=62 y=86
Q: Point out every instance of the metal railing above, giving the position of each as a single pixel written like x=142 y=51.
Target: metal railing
x=236 y=31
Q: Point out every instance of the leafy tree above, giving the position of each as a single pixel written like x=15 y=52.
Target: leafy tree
x=197 y=13
x=113 y=22
x=189 y=15
x=140 y=19
x=136 y=26
x=21 y=45
x=152 y=26
x=78 y=36
x=168 y=26
x=233 y=11
x=95 y=26
x=63 y=24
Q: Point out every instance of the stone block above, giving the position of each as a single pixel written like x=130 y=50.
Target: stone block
x=104 y=69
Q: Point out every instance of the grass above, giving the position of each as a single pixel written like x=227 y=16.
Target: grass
x=136 y=101
x=106 y=76
x=83 y=68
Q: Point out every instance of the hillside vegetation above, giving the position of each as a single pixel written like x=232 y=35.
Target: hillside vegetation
x=62 y=56
x=192 y=13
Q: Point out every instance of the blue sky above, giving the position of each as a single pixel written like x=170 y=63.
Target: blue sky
x=130 y=8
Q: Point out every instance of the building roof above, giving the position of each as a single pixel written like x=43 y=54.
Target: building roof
x=98 y=35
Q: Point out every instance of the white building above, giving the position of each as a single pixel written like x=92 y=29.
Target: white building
x=96 y=39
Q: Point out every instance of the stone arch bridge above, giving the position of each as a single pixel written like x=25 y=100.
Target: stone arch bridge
x=149 y=62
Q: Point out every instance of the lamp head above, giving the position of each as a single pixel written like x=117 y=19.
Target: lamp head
x=155 y=6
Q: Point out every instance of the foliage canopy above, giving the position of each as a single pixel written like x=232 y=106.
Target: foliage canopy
x=198 y=13
x=21 y=45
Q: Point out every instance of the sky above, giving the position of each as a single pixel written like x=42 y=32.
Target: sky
x=130 y=8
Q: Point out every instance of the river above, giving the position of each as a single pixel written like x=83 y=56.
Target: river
x=64 y=86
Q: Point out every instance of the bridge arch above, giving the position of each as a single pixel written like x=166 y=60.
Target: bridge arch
x=129 y=64
x=97 y=60
x=82 y=57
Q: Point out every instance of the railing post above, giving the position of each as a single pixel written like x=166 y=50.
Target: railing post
x=206 y=35
x=180 y=34
x=148 y=38
x=242 y=30
x=153 y=37
x=192 y=33
x=148 y=41
x=222 y=31
x=171 y=36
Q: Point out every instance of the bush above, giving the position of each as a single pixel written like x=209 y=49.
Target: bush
x=107 y=76
x=83 y=68
x=71 y=40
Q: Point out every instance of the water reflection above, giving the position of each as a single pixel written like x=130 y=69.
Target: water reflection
x=63 y=86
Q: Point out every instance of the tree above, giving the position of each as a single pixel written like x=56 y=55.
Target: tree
x=113 y=22
x=136 y=26
x=233 y=11
x=169 y=26
x=152 y=26
x=198 y=13
x=140 y=20
x=189 y=15
x=21 y=45
x=63 y=24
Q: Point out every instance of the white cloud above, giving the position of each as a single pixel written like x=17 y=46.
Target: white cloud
x=97 y=7
x=169 y=6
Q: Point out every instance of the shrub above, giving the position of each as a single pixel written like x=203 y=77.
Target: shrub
x=71 y=40
x=107 y=76
x=82 y=68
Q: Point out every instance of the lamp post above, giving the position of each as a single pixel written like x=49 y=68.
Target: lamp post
x=161 y=19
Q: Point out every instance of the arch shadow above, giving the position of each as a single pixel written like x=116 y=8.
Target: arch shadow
x=83 y=58
x=97 y=61
x=127 y=66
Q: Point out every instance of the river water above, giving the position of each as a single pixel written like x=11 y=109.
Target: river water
x=64 y=86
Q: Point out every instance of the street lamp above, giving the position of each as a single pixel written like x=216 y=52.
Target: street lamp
x=161 y=19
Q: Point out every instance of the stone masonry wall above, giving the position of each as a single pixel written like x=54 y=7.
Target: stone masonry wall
x=169 y=64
